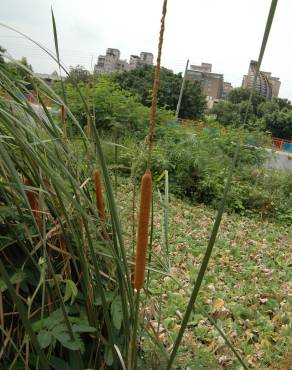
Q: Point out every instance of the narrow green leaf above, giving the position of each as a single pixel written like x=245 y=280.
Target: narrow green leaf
x=83 y=329
x=117 y=312
x=70 y=291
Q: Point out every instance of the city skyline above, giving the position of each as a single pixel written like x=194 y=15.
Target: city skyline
x=207 y=31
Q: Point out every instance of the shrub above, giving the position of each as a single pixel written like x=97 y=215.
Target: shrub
x=197 y=166
x=111 y=106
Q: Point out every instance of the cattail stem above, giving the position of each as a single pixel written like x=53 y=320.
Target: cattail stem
x=146 y=195
x=2 y=314
x=99 y=197
x=156 y=86
x=135 y=326
x=142 y=238
x=151 y=240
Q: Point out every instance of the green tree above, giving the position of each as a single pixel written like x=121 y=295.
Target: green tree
x=193 y=102
x=232 y=111
x=283 y=103
x=78 y=74
x=112 y=106
x=267 y=107
x=20 y=69
x=140 y=82
x=2 y=51
x=227 y=113
x=279 y=123
x=238 y=95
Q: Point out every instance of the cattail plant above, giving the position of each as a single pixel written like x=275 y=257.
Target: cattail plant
x=146 y=189
x=146 y=198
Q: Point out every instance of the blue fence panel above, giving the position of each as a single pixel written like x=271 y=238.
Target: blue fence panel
x=288 y=147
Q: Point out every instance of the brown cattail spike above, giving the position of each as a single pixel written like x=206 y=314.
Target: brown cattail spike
x=63 y=122
x=99 y=197
x=33 y=203
x=142 y=238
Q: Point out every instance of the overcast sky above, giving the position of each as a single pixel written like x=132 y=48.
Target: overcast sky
x=226 y=33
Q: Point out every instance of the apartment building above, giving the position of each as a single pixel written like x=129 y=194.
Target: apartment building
x=212 y=83
x=111 y=62
x=227 y=87
x=139 y=61
x=266 y=85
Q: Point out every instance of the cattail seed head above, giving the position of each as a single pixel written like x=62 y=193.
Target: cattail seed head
x=33 y=202
x=99 y=197
x=142 y=237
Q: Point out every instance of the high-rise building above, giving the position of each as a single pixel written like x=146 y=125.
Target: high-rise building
x=139 y=61
x=146 y=58
x=134 y=61
x=111 y=62
x=227 y=87
x=204 y=67
x=266 y=85
x=212 y=83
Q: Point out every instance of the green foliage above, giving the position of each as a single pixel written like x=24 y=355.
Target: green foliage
x=17 y=71
x=254 y=316
x=111 y=107
x=78 y=74
x=55 y=263
x=193 y=102
x=66 y=252
x=279 y=123
x=53 y=329
x=231 y=112
x=140 y=82
x=283 y=103
x=239 y=95
x=226 y=113
x=197 y=164
x=2 y=51
x=268 y=115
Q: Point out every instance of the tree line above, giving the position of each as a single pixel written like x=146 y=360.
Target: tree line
x=129 y=89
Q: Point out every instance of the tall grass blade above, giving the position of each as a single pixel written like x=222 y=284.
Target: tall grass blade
x=217 y=222
x=57 y=53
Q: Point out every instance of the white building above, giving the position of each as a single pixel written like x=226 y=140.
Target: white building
x=111 y=62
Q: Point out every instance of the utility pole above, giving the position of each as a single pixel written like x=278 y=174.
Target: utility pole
x=181 y=91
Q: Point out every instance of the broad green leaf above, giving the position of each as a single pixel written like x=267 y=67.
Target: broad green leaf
x=60 y=328
x=44 y=338
x=66 y=341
